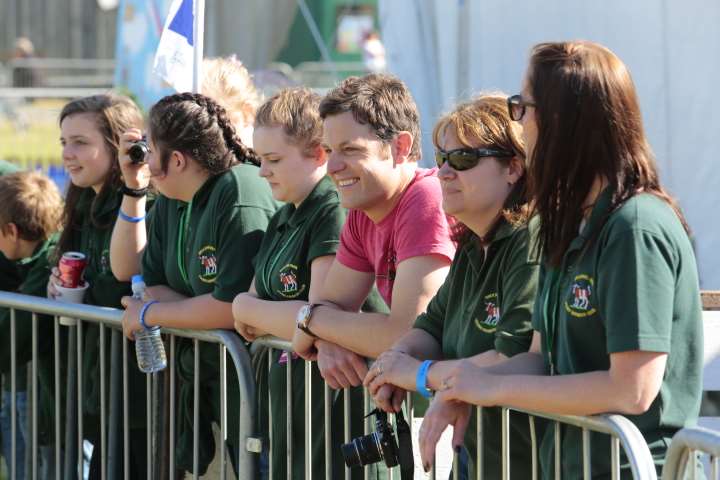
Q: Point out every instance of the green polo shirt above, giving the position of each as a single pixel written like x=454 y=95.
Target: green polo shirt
x=10 y=278
x=224 y=225
x=486 y=304
x=296 y=237
x=91 y=235
x=628 y=282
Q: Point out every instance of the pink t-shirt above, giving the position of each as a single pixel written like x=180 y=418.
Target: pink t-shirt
x=416 y=226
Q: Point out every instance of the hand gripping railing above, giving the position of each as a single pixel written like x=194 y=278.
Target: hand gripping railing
x=228 y=341
x=623 y=433
x=681 y=454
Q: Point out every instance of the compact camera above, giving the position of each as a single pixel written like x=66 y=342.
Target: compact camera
x=138 y=151
x=381 y=445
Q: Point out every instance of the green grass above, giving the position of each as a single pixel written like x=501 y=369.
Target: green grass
x=39 y=142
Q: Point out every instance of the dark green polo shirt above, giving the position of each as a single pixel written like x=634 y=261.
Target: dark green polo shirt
x=486 y=304
x=10 y=278
x=225 y=223
x=296 y=237
x=628 y=282
x=96 y=217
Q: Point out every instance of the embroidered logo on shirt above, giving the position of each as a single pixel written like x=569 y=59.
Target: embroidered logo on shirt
x=289 y=281
x=578 y=303
x=208 y=261
x=492 y=314
x=105 y=262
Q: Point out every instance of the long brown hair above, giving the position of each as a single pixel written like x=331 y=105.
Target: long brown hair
x=114 y=114
x=198 y=126
x=484 y=122
x=588 y=126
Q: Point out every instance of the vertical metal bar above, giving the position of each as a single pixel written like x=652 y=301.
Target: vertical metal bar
x=35 y=396
x=289 y=411
x=13 y=393
x=714 y=470
x=391 y=420
x=270 y=445
x=71 y=410
x=56 y=344
x=223 y=411
x=533 y=446
x=558 y=466
x=694 y=464
x=505 y=443
x=81 y=451
x=586 y=453
x=115 y=398
x=615 y=457
x=196 y=408
x=366 y=424
x=171 y=441
x=346 y=425
x=126 y=410
x=308 y=419
x=328 y=433
x=103 y=407
x=456 y=466
x=432 y=471
x=479 y=450
x=410 y=408
x=148 y=424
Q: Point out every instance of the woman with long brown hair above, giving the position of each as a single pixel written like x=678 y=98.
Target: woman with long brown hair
x=617 y=321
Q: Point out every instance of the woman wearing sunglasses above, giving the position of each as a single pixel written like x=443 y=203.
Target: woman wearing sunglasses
x=483 y=309
x=617 y=321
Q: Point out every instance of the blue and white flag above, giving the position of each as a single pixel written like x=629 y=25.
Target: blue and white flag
x=177 y=57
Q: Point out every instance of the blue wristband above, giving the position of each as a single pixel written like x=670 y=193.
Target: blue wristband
x=130 y=219
x=143 y=311
x=421 y=379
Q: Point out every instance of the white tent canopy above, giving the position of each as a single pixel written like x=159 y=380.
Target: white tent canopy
x=446 y=50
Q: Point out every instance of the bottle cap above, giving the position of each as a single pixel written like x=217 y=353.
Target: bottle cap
x=136 y=279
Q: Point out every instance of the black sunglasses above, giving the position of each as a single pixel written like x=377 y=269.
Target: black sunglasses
x=516 y=107
x=466 y=158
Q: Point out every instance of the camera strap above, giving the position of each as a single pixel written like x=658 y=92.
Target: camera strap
x=405 y=452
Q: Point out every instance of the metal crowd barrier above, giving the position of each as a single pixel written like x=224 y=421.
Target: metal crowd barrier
x=108 y=318
x=682 y=454
x=622 y=432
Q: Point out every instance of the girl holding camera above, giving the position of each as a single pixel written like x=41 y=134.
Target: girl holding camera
x=203 y=232
x=483 y=309
x=617 y=321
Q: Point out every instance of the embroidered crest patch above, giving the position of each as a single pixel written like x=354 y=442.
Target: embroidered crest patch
x=492 y=314
x=289 y=281
x=208 y=263
x=578 y=302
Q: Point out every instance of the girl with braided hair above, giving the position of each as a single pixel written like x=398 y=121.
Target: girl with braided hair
x=203 y=231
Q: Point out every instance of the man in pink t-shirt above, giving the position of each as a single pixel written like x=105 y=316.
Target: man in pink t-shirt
x=396 y=236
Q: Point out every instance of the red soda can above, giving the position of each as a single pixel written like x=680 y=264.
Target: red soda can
x=71 y=266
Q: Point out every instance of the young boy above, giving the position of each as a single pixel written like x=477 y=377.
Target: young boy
x=29 y=220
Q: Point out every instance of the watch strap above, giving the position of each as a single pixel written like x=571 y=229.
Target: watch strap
x=133 y=192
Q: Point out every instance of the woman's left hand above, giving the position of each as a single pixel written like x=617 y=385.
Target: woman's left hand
x=467 y=382
x=437 y=418
x=393 y=367
x=131 y=316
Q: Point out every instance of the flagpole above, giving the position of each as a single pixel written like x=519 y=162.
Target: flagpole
x=198 y=37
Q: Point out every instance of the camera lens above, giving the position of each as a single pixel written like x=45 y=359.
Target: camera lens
x=137 y=152
x=362 y=451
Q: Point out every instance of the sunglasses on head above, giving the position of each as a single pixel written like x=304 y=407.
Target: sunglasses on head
x=466 y=158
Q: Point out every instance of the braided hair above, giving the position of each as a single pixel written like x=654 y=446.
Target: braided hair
x=197 y=126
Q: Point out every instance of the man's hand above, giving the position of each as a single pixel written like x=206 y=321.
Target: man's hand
x=339 y=367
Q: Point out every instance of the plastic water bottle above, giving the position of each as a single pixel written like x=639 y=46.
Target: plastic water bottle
x=149 y=346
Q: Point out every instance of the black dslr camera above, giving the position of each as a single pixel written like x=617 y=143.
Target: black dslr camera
x=138 y=151
x=382 y=445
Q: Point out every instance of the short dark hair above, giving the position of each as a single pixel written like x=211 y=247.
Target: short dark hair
x=379 y=100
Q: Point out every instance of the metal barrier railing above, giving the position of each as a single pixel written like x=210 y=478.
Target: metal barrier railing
x=681 y=455
x=624 y=434
x=228 y=341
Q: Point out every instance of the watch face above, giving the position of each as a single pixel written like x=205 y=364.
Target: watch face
x=302 y=314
